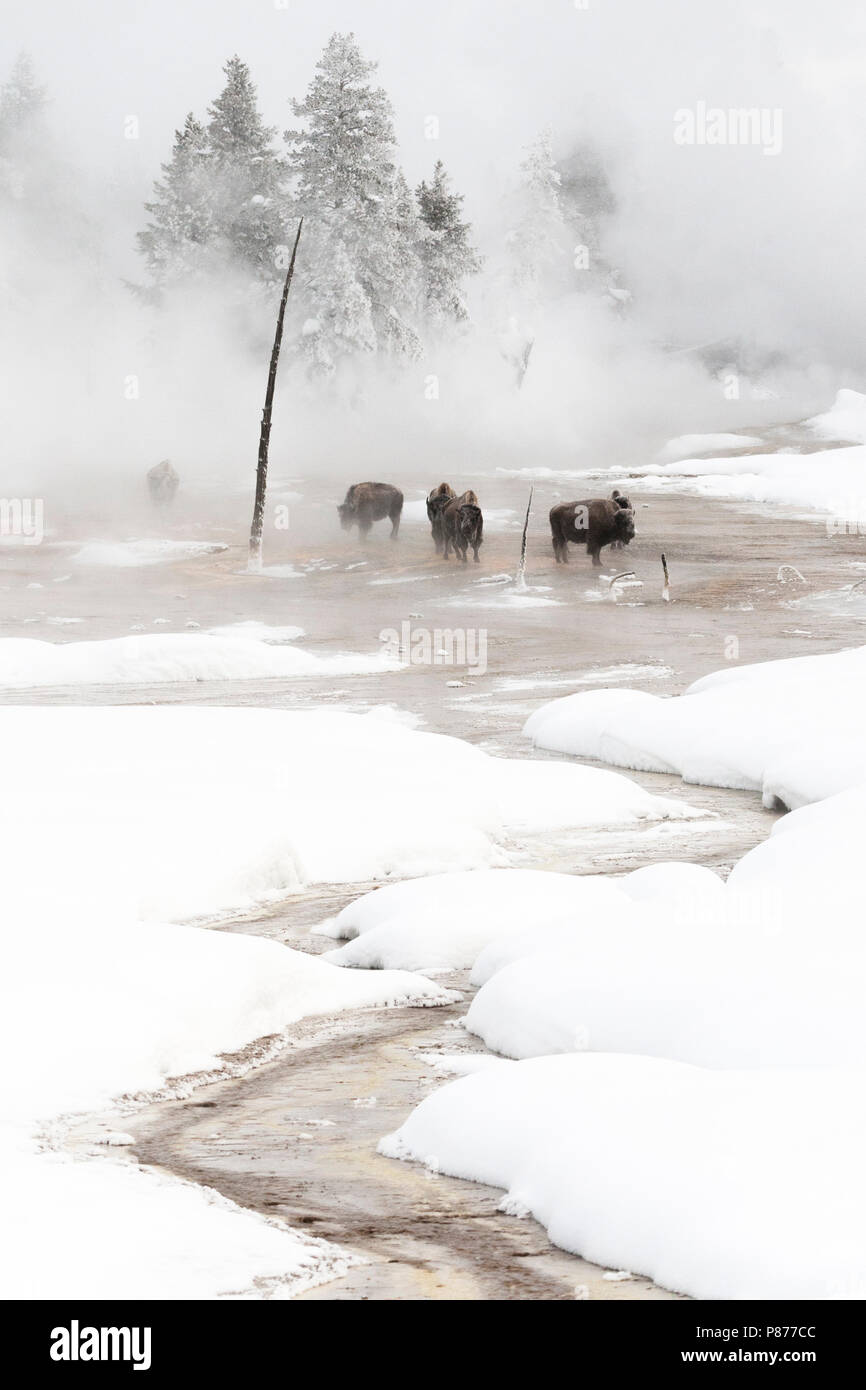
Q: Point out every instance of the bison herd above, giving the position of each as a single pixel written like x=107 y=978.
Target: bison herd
x=456 y=523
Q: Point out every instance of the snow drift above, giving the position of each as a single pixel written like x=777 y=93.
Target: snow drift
x=830 y=480
x=441 y=923
x=718 y=1184
x=179 y=811
x=789 y=729
x=154 y=658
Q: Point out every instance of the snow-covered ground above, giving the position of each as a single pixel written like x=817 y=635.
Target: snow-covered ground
x=442 y=923
x=832 y=481
x=137 y=553
x=846 y=418
x=173 y=656
x=94 y=1007
x=688 y=445
x=790 y=729
x=118 y=822
x=718 y=1184
x=186 y=810
x=107 y=1230
x=112 y=822
x=682 y=1043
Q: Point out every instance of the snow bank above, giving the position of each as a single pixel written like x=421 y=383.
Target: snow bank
x=846 y=418
x=790 y=729
x=26 y=663
x=815 y=851
x=831 y=480
x=106 y=1230
x=111 y=819
x=740 y=979
x=94 y=1008
x=184 y=811
x=689 y=445
x=442 y=922
x=111 y=1006
x=135 y=554
x=713 y=1183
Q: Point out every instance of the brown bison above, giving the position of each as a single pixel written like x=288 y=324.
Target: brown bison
x=463 y=525
x=621 y=501
x=369 y=502
x=595 y=523
x=437 y=501
x=163 y=482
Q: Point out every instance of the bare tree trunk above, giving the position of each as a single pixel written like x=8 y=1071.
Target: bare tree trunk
x=255 y=560
x=521 y=568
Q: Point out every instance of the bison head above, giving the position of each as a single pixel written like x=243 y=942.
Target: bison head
x=624 y=523
x=347 y=515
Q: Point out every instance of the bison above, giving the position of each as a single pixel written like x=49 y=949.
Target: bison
x=369 y=502
x=595 y=523
x=163 y=482
x=463 y=525
x=621 y=501
x=437 y=501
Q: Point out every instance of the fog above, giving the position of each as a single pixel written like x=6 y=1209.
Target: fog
x=733 y=255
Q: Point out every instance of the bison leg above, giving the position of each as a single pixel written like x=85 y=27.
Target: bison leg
x=596 y=556
x=475 y=552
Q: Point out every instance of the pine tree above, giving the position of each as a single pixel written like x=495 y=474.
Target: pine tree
x=358 y=210
x=342 y=325
x=22 y=104
x=447 y=254
x=246 y=177
x=220 y=202
x=23 y=140
x=539 y=242
x=176 y=244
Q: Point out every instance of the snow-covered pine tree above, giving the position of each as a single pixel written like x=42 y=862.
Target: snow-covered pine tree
x=342 y=324
x=539 y=241
x=447 y=255
x=22 y=102
x=247 y=177
x=363 y=284
x=176 y=243
x=22 y=129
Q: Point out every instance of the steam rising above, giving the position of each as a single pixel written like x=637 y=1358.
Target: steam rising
x=733 y=260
